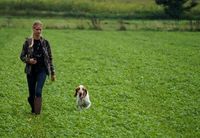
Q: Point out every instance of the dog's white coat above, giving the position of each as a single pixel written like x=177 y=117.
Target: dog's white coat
x=83 y=102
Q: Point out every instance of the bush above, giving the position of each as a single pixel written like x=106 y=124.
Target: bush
x=176 y=8
x=122 y=26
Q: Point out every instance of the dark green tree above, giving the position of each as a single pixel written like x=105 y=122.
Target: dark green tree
x=176 y=8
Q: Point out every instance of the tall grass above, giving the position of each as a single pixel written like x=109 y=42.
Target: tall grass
x=104 y=24
x=87 y=8
x=78 y=5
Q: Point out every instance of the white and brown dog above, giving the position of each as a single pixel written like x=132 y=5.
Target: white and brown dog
x=82 y=97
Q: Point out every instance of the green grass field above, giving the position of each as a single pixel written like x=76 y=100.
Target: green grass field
x=141 y=84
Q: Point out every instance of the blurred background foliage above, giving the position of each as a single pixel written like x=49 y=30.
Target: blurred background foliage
x=112 y=9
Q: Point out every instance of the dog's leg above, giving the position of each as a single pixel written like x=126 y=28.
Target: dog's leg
x=88 y=106
x=78 y=107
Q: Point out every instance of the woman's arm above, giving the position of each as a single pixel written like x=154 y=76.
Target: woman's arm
x=50 y=58
x=23 y=55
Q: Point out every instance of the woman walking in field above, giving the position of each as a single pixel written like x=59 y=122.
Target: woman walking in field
x=36 y=53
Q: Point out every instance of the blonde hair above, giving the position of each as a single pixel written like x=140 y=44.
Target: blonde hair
x=36 y=22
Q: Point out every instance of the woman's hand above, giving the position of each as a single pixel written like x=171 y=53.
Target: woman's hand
x=32 y=61
x=53 y=77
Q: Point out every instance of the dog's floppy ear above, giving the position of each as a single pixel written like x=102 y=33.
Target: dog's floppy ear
x=76 y=91
x=75 y=94
x=85 y=92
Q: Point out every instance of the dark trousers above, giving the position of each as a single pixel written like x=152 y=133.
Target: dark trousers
x=36 y=82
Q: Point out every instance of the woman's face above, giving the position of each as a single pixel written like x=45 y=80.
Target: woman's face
x=37 y=30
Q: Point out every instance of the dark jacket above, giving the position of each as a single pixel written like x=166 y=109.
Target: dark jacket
x=27 y=53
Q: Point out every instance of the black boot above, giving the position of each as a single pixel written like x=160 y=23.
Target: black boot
x=37 y=105
x=31 y=102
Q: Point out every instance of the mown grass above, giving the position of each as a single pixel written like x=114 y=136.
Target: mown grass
x=141 y=84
